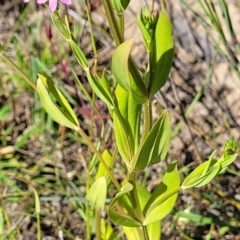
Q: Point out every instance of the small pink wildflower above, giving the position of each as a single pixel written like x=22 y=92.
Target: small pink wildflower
x=52 y=3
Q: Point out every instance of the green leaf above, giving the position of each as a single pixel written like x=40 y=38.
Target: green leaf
x=120 y=65
x=154 y=230
x=107 y=232
x=119 y=213
x=60 y=26
x=119 y=5
x=98 y=192
x=227 y=160
x=229 y=155
x=106 y=156
x=156 y=144
x=126 y=118
x=163 y=51
x=101 y=87
x=135 y=92
x=64 y=115
x=66 y=108
x=203 y=174
x=143 y=196
x=163 y=198
x=131 y=82
x=79 y=55
x=132 y=233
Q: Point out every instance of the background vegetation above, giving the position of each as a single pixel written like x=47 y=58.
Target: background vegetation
x=41 y=161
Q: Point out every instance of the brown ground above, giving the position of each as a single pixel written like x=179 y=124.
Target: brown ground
x=214 y=118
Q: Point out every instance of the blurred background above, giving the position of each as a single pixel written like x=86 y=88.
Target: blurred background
x=202 y=95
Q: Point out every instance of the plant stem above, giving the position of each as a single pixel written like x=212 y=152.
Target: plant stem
x=88 y=222
x=92 y=35
x=117 y=35
x=90 y=144
x=136 y=205
x=17 y=69
x=147 y=118
x=134 y=197
x=97 y=223
x=145 y=233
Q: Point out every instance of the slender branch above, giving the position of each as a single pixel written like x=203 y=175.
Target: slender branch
x=90 y=144
x=147 y=118
x=18 y=70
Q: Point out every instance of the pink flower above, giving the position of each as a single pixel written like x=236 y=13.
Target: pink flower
x=53 y=3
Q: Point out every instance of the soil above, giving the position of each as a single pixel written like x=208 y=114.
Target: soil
x=214 y=118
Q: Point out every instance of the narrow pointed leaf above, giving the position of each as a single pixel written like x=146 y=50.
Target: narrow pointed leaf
x=120 y=64
x=52 y=109
x=203 y=174
x=126 y=118
x=155 y=146
x=79 y=54
x=227 y=161
x=62 y=101
x=100 y=87
x=163 y=51
x=60 y=26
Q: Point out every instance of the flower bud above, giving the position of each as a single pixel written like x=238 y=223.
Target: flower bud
x=147 y=22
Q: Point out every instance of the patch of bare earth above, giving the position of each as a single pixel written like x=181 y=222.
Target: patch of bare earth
x=209 y=123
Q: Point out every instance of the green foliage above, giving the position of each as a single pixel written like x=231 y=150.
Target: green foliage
x=122 y=74
x=120 y=5
x=155 y=146
x=162 y=54
x=139 y=142
x=101 y=87
x=120 y=65
x=63 y=115
x=147 y=23
x=208 y=170
x=97 y=193
x=163 y=198
x=126 y=119
x=120 y=209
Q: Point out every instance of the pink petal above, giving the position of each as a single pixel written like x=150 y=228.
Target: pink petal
x=66 y=2
x=52 y=5
x=41 y=1
x=26 y=1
